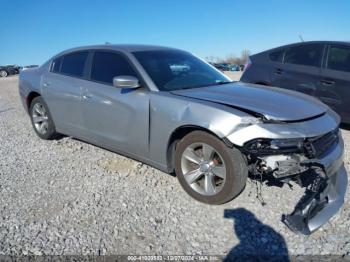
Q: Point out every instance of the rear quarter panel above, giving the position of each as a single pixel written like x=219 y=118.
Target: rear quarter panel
x=30 y=81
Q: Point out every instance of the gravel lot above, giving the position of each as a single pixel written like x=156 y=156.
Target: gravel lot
x=234 y=75
x=69 y=197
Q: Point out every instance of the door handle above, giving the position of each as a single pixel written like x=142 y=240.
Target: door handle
x=278 y=71
x=46 y=84
x=327 y=82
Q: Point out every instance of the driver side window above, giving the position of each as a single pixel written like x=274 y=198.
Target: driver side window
x=107 y=65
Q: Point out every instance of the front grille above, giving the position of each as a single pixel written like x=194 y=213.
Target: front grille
x=315 y=147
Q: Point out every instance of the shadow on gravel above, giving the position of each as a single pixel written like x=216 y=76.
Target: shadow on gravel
x=258 y=242
x=59 y=137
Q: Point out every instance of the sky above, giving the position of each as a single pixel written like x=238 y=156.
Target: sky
x=33 y=31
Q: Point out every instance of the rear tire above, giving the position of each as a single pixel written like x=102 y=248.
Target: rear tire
x=208 y=170
x=41 y=119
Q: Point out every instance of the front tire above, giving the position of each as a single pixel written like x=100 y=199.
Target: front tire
x=41 y=119
x=208 y=170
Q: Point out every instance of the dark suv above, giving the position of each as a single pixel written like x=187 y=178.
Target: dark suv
x=320 y=69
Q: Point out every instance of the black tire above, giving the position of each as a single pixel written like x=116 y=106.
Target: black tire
x=49 y=132
x=235 y=163
x=3 y=73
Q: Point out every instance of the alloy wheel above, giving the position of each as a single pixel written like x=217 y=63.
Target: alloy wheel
x=203 y=168
x=40 y=118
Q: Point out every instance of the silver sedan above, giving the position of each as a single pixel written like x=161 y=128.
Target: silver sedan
x=169 y=109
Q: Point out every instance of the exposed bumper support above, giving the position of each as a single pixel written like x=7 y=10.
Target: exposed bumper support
x=325 y=181
x=322 y=202
x=335 y=193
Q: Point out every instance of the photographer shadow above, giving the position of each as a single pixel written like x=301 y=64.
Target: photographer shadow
x=258 y=242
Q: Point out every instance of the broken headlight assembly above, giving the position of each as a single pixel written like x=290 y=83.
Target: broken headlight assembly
x=264 y=146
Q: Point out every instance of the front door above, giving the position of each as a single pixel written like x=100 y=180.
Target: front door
x=115 y=118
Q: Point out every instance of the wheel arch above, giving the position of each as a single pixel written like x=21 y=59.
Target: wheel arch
x=30 y=98
x=180 y=133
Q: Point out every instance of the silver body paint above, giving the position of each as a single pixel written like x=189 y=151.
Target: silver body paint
x=140 y=123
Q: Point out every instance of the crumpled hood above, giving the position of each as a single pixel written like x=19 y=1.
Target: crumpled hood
x=273 y=103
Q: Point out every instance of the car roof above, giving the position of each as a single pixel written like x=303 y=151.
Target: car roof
x=118 y=47
x=303 y=43
x=318 y=42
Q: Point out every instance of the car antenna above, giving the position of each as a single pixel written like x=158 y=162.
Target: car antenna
x=301 y=38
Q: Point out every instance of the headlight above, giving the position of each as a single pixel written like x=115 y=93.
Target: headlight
x=263 y=146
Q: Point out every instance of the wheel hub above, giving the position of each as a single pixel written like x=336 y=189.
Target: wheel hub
x=204 y=167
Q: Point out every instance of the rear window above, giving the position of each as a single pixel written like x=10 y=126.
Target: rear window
x=308 y=55
x=276 y=56
x=107 y=65
x=56 y=64
x=339 y=58
x=73 y=64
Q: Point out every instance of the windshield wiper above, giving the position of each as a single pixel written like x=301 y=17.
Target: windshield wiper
x=217 y=83
x=212 y=84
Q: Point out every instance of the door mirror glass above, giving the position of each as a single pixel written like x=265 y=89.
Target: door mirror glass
x=126 y=82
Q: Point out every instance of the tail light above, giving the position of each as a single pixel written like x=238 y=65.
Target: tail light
x=247 y=65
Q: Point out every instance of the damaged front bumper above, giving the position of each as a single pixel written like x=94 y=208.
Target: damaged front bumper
x=325 y=202
x=335 y=192
x=324 y=178
x=309 y=153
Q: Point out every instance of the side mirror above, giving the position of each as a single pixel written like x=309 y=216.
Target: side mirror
x=126 y=82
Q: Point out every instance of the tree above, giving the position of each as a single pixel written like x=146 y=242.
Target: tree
x=244 y=56
x=212 y=59
x=231 y=58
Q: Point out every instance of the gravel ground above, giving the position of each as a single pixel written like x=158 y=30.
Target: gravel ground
x=234 y=75
x=69 y=197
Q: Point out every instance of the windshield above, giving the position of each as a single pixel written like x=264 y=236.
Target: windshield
x=174 y=70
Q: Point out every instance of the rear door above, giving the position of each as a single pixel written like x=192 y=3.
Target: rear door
x=61 y=89
x=115 y=118
x=301 y=68
x=334 y=86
